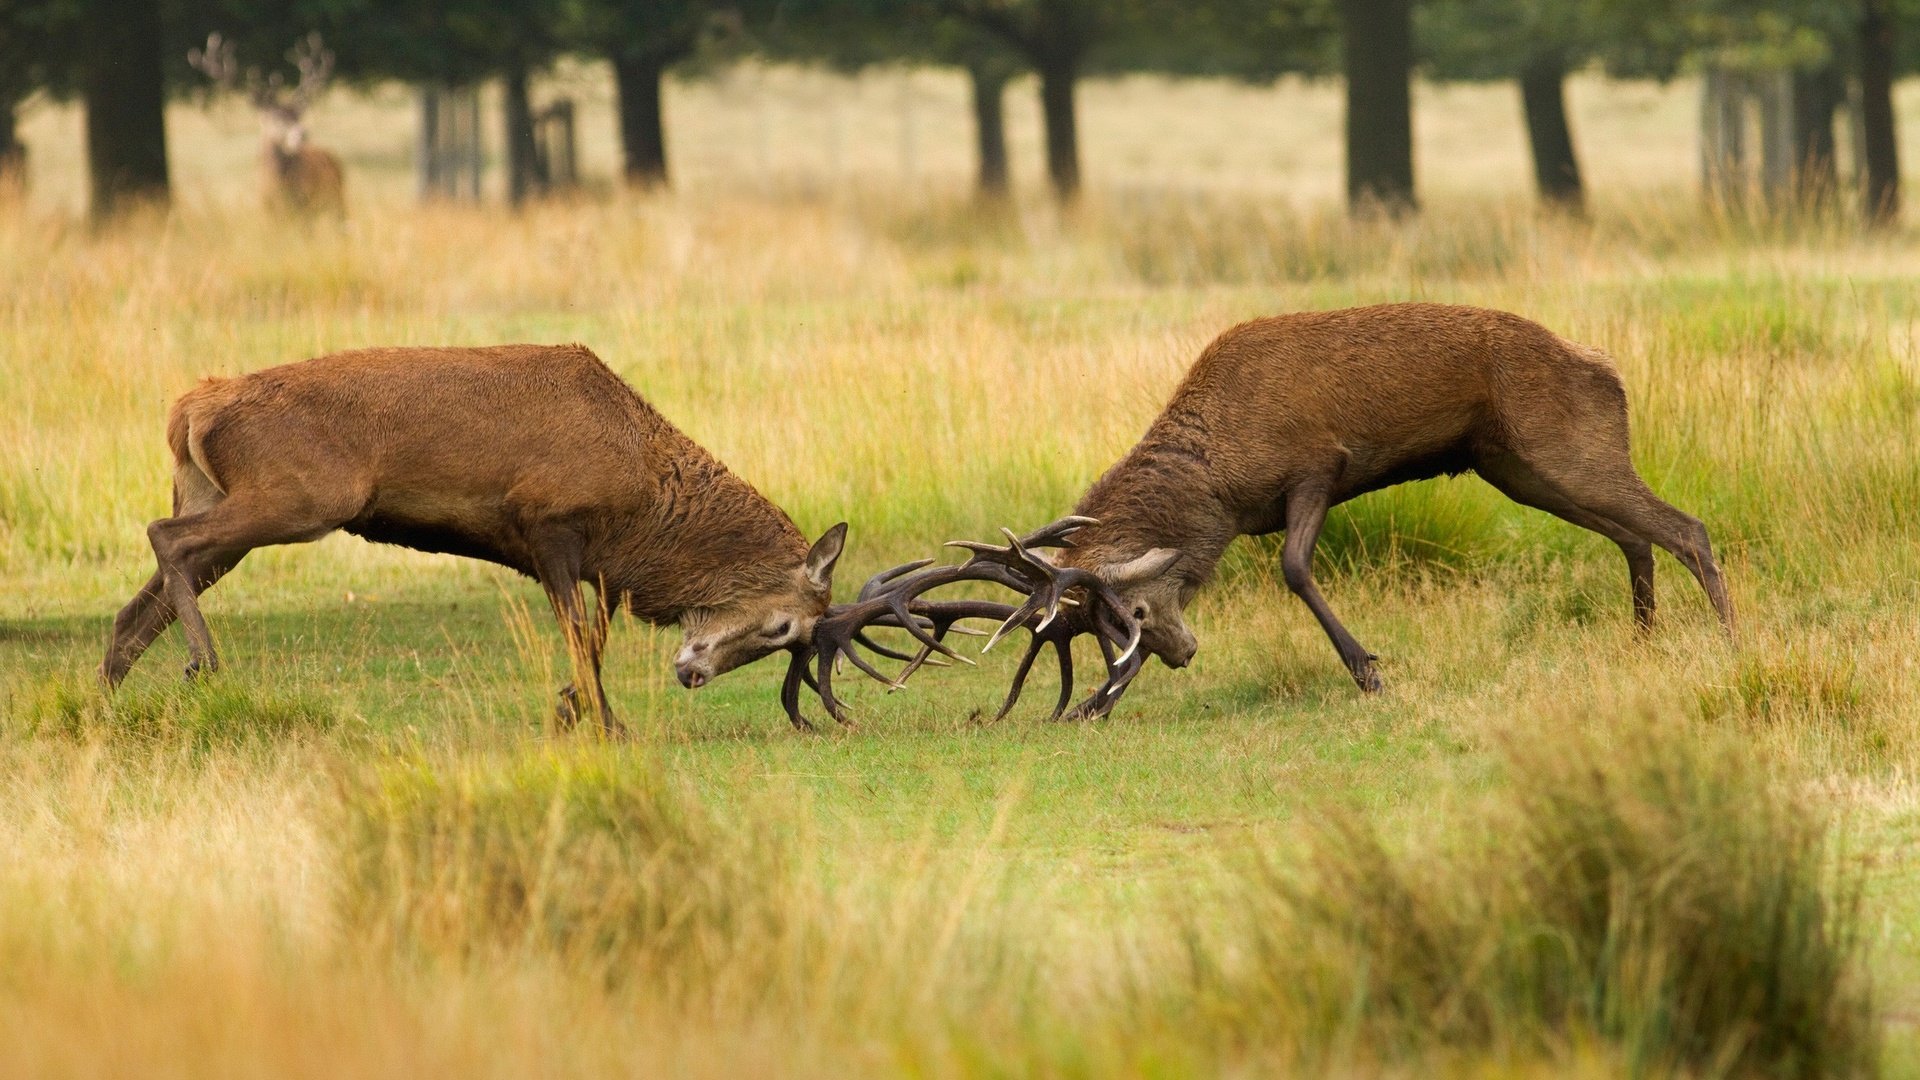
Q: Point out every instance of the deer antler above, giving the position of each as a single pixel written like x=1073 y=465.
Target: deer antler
x=1104 y=614
x=315 y=63
x=219 y=61
x=1063 y=602
x=889 y=599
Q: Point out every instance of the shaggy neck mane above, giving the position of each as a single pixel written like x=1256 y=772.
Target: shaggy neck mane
x=712 y=539
x=1159 y=496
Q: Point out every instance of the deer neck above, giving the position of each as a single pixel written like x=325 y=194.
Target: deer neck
x=1161 y=495
x=280 y=159
x=710 y=540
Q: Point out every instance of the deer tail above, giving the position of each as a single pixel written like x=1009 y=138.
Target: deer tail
x=188 y=422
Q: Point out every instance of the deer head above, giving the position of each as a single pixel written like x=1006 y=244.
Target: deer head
x=719 y=639
x=282 y=109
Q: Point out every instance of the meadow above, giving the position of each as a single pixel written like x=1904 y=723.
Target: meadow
x=1549 y=848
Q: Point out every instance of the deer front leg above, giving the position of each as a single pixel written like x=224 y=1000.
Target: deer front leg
x=1306 y=515
x=585 y=631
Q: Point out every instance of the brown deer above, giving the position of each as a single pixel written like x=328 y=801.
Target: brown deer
x=538 y=458
x=1283 y=418
x=300 y=178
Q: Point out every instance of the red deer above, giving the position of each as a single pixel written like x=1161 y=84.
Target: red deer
x=1283 y=418
x=538 y=458
x=299 y=177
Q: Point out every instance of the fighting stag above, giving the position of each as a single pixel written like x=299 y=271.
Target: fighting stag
x=1283 y=418
x=300 y=177
x=537 y=458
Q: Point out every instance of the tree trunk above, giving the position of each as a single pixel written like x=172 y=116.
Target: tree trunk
x=1880 y=150
x=1377 y=39
x=13 y=154
x=1816 y=167
x=1057 y=79
x=642 y=135
x=990 y=127
x=523 y=177
x=1723 y=143
x=125 y=98
x=1555 y=167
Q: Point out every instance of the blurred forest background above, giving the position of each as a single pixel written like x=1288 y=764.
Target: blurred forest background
x=1775 y=104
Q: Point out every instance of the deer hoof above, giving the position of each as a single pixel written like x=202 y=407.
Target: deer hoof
x=1369 y=679
x=195 y=670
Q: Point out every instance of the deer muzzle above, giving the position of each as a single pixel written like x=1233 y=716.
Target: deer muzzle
x=693 y=667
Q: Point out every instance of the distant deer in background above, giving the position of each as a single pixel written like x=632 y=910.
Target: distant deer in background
x=300 y=177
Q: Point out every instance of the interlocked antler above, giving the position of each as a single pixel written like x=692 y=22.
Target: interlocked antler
x=894 y=599
x=889 y=599
x=1103 y=614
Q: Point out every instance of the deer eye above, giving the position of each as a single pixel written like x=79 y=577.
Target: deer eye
x=1140 y=613
x=780 y=629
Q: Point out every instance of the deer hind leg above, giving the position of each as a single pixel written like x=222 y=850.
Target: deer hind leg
x=1306 y=515
x=195 y=550
x=149 y=613
x=1521 y=484
x=144 y=618
x=1602 y=481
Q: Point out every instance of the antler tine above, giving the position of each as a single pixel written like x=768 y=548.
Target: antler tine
x=1064 y=644
x=1058 y=533
x=878 y=582
x=860 y=638
x=1062 y=641
x=315 y=63
x=790 y=690
x=1020 y=676
x=1053 y=535
x=219 y=61
x=892 y=599
x=1105 y=615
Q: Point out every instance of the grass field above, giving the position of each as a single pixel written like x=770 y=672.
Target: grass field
x=1548 y=848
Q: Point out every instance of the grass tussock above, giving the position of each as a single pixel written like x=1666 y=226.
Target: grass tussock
x=218 y=714
x=595 y=856
x=1652 y=893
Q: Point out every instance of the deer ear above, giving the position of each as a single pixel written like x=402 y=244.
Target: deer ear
x=826 y=552
x=1145 y=568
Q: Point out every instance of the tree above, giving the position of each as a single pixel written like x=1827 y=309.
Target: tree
x=1053 y=38
x=643 y=39
x=1536 y=45
x=851 y=35
x=125 y=90
x=1881 y=148
x=1377 y=44
x=1821 y=43
x=24 y=50
x=1061 y=40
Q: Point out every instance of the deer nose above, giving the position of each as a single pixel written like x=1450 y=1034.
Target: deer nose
x=690 y=666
